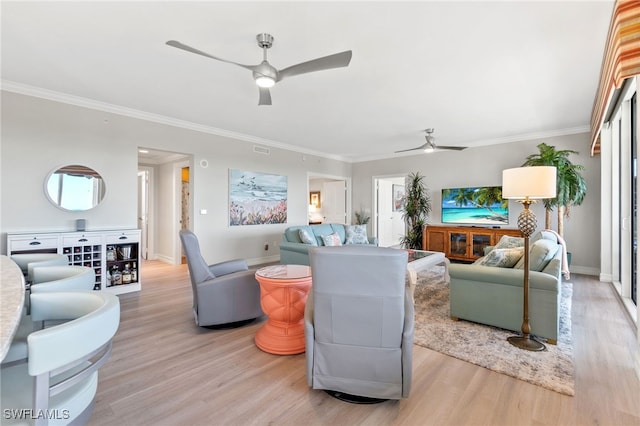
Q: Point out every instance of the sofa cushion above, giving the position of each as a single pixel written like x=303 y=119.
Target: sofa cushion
x=292 y=234
x=502 y=257
x=540 y=253
x=332 y=240
x=508 y=241
x=544 y=234
x=356 y=234
x=339 y=229
x=307 y=237
x=321 y=231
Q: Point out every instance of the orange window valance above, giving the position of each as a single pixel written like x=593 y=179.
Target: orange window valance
x=621 y=61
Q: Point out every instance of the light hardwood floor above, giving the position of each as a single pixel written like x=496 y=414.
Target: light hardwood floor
x=166 y=371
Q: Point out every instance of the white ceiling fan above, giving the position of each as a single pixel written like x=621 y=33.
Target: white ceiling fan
x=266 y=75
x=430 y=144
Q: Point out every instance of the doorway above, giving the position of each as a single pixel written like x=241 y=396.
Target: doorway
x=388 y=223
x=168 y=204
x=143 y=209
x=334 y=200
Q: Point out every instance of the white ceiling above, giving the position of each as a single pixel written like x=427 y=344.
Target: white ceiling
x=479 y=72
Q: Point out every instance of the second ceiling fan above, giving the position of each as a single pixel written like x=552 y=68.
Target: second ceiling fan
x=266 y=75
x=430 y=145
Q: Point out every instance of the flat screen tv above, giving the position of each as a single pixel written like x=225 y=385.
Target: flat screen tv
x=482 y=205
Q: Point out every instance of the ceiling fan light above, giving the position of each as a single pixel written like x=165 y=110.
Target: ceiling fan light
x=265 y=81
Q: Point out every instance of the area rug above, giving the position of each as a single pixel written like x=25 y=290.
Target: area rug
x=487 y=346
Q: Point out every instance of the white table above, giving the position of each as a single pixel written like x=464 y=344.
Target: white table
x=419 y=260
x=12 y=300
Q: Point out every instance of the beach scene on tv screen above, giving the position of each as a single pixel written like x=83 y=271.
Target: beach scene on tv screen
x=475 y=205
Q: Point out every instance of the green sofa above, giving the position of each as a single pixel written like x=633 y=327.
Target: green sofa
x=295 y=252
x=493 y=295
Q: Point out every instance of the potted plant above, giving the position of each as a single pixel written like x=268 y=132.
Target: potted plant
x=571 y=186
x=362 y=218
x=416 y=206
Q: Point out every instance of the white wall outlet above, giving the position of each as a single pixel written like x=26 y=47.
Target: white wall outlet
x=203 y=211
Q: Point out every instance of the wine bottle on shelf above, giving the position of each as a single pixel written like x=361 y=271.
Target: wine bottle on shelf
x=126 y=274
x=134 y=273
x=116 y=276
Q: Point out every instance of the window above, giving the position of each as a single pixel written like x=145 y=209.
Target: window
x=620 y=197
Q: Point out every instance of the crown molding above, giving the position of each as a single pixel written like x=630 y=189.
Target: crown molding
x=496 y=141
x=38 y=92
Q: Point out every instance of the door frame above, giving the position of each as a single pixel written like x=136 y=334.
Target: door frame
x=147 y=235
x=346 y=179
x=374 y=197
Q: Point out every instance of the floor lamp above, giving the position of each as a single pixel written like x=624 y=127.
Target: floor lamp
x=527 y=185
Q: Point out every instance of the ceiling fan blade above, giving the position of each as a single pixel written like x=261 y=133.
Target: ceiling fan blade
x=337 y=60
x=451 y=148
x=265 y=96
x=175 y=43
x=413 y=149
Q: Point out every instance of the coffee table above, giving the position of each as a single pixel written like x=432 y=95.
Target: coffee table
x=419 y=260
x=283 y=295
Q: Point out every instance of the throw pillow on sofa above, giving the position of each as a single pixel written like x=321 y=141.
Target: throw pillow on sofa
x=540 y=253
x=509 y=242
x=332 y=240
x=502 y=257
x=356 y=234
x=307 y=237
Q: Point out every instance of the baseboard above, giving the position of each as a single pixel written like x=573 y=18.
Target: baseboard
x=607 y=278
x=584 y=270
x=265 y=259
x=165 y=259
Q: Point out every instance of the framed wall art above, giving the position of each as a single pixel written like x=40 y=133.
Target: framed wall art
x=398 y=198
x=257 y=198
x=314 y=199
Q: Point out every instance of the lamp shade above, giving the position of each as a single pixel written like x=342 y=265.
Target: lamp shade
x=536 y=182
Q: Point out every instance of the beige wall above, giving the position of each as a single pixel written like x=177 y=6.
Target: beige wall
x=483 y=166
x=39 y=135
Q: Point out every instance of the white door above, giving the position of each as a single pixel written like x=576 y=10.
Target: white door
x=334 y=202
x=385 y=214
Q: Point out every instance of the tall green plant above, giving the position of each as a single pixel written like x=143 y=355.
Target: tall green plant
x=417 y=206
x=571 y=187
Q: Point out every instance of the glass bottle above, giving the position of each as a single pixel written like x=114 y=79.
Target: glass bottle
x=126 y=274
x=111 y=253
x=134 y=273
x=116 y=275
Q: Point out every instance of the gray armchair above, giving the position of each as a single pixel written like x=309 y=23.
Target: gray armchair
x=223 y=293
x=359 y=322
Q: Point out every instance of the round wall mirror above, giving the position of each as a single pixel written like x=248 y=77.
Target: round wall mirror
x=75 y=188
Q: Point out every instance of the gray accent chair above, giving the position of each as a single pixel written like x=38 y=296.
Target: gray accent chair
x=359 y=322
x=223 y=293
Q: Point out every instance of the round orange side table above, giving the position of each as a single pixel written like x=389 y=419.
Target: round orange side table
x=283 y=294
